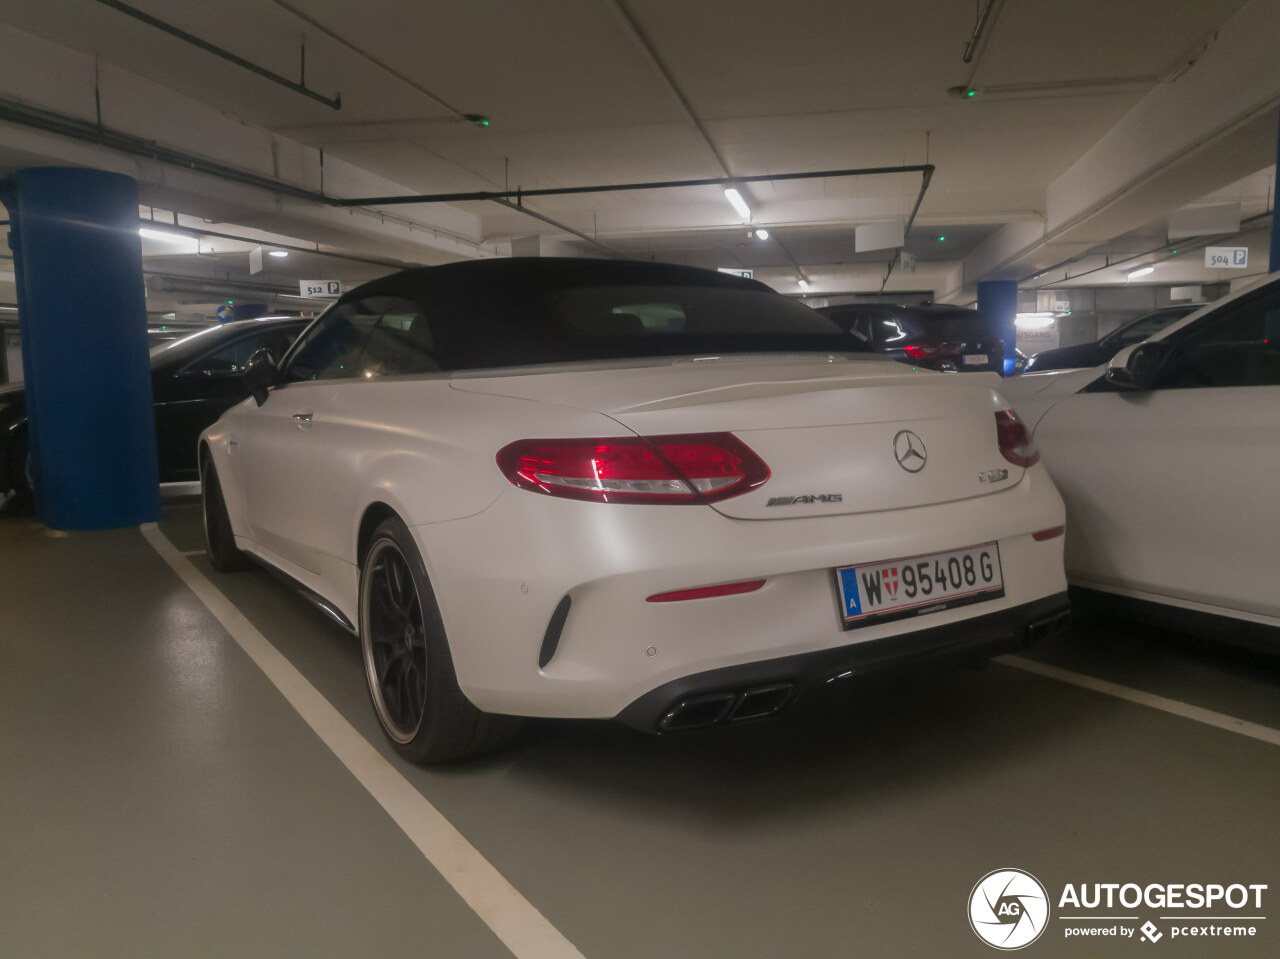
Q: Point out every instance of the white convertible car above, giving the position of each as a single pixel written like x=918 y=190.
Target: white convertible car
x=584 y=488
x=1168 y=460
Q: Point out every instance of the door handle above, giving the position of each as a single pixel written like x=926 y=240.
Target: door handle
x=303 y=419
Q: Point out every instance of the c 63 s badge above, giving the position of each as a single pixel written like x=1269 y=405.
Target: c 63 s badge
x=797 y=500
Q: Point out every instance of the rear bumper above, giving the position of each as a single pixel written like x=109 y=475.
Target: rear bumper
x=501 y=576
x=756 y=690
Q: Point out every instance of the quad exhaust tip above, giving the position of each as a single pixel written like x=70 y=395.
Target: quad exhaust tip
x=713 y=709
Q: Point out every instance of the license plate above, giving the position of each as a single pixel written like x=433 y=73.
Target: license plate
x=919 y=585
x=975 y=359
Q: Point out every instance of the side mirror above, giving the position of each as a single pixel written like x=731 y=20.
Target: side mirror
x=1138 y=367
x=260 y=374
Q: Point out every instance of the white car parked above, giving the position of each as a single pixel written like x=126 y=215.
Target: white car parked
x=1168 y=460
x=584 y=488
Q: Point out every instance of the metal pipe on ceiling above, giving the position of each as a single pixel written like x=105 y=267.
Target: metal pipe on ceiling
x=365 y=55
x=988 y=16
x=334 y=104
x=650 y=55
x=897 y=254
x=11 y=111
x=519 y=194
x=14 y=112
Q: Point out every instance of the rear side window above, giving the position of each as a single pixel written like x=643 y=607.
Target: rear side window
x=611 y=311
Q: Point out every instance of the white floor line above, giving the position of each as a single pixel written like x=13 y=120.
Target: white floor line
x=1207 y=716
x=524 y=930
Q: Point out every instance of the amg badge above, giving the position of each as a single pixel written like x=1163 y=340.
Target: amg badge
x=796 y=500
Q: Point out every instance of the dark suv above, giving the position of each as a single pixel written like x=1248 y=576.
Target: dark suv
x=934 y=337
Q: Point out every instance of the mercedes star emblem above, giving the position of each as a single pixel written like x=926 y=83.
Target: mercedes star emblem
x=909 y=451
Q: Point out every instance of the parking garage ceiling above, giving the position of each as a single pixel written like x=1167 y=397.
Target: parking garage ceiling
x=1087 y=123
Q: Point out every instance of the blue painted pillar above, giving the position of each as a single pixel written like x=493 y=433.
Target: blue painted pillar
x=1275 y=220
x=83 y=322
x=998 y=302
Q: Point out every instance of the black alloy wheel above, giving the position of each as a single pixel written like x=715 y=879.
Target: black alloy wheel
x=408 y=667
x=396 y=643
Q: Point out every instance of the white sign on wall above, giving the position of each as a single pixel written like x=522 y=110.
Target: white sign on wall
x=1226 y=257
x=320 y=288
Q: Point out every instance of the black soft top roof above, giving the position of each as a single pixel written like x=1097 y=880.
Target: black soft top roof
x=544 y=273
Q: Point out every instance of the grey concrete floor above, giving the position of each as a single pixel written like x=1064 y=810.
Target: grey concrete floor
x=159 y=797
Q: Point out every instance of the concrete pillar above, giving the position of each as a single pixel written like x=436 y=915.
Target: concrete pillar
x=82 y=309
x=998 y=302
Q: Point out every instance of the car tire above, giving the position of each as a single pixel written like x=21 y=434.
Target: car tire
x=407 y=661
x=18 y=470
x=220 y=542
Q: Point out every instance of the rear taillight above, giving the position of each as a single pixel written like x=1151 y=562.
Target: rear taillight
x=686 y=468
x=917 y=352
x=1016 y=444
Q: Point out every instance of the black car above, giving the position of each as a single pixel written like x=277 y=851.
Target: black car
x=935 y=337
x=1084 y=355
x=193 y=380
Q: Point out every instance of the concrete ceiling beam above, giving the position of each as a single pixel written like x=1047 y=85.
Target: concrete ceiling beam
x=1213 y=124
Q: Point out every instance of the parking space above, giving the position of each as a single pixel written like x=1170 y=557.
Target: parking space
x=172 y=795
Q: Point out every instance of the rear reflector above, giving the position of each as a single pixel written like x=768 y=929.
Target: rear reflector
x=704 y=592
x=684 y=468
x=1014 y=439
x=1050 y=533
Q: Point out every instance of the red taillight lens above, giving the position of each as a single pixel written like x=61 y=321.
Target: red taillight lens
x=687 y=468
x=920 y=352
x=1016 y=444
x=1045 y=534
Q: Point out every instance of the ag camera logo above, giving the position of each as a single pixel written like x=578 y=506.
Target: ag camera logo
x=1008 y=909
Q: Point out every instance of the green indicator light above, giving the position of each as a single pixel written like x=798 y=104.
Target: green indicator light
x=942 y=239
x=1175 y=251
x=971 y=93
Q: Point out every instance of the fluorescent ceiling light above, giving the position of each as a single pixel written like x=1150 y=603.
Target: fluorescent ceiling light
x=738 y=203
x=762 y=234
x=1034 y=321
x=1142 y=272
x=164 y=235
x=804 y=284
x=277 y=253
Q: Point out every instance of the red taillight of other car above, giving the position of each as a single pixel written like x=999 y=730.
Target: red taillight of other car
x=1016 y=444
x=920 y=352
x=685 y=468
